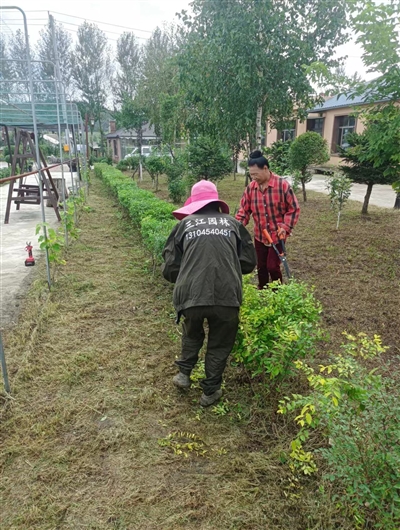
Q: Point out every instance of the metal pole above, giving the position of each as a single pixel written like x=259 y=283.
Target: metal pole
x=87 y=137
x=59 y=130
x=4 y=368
x=35 y=132
x=76 y=152
x=62 y=165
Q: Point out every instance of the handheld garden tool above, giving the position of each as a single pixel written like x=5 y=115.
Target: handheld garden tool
x=30 y=260
x=281 y=255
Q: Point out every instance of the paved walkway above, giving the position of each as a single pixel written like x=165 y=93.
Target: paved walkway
x=13 y=238
x=383 y=196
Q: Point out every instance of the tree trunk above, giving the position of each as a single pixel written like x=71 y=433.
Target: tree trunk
x=338 y=220
x=101 y=136
x=303 y=186
x=397 y=202
x=139 y=136
x=258 y=127
x=366 y=199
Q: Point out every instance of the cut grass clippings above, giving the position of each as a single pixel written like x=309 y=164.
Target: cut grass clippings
x=90 y=438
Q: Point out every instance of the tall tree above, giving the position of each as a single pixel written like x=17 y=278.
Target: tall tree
x=45 y=52
x=376 y=25
x=133 y=116
x=19 y=67
x=360 y=167
x=5 y=69
x=92 y=72
x=129 y=64
x=159 y=80
x=245 y=60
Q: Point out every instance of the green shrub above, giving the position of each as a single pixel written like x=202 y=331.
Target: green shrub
x=152 y=216
x=133 y=163
x=122 y=165
x=307 y=150
x=155 y=234
x=5 y=172
x=155 y=166
x=208 y=159
x=100 y=160
x=339 y=188
x=175 y=169
x=278 y=157
x=278 y=325
x=357 y=414
x=177 y=189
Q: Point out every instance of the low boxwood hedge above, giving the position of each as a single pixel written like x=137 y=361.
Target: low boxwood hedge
x=152 y=216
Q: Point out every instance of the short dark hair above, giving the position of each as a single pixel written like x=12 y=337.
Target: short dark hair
x=258 y=159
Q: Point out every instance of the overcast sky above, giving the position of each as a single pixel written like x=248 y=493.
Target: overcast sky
x=140 y=16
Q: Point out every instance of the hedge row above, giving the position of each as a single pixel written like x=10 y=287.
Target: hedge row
x=152 y=216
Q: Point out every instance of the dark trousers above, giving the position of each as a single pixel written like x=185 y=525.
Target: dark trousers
x=222 y=328
x=268 y=263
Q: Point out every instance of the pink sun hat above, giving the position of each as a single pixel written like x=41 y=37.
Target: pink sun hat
x=202 y=193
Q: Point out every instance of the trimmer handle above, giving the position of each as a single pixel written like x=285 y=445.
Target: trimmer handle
x=267 y=236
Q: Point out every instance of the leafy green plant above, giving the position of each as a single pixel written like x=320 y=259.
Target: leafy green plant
x=133 y=163
x=296 y=180
x=183 y=444
x=363 y=167
x=358 y=416
x=278 y=325
x=339 y=188
x=122 y=165
x=222 y=408
x=208 y=159
x=5 y=172
x=306 y=150
x=53 y=242
x=175 y=169
x=278 y=156
x=155 y=235
x=155 y=166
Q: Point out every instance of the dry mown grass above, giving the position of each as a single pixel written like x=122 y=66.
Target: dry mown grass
x=91 y=367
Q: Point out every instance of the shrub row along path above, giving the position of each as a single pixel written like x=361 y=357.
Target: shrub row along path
x=88 y=439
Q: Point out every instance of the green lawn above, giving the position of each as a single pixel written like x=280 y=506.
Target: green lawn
x=88 y=439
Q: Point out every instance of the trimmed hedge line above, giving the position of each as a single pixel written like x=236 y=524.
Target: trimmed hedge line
x=152 y=216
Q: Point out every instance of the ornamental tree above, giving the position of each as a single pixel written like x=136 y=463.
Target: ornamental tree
x=339 y=189
x=307 y=150
x=245 y=60
x=208 y=159
x=360 y=167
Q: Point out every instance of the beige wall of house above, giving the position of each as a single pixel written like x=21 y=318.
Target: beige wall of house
x=329 y=129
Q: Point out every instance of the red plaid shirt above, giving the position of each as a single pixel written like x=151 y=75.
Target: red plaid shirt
x=276 y=206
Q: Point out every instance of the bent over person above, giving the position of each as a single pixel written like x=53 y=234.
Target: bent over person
x=274 y=207
x=205 y=256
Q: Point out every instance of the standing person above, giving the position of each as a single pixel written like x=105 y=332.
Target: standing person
x=274 y=206
x=205 y=256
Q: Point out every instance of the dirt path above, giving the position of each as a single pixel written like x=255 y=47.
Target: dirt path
x=85 y=441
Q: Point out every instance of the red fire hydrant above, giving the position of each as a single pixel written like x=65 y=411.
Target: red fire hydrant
x=30 y=260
